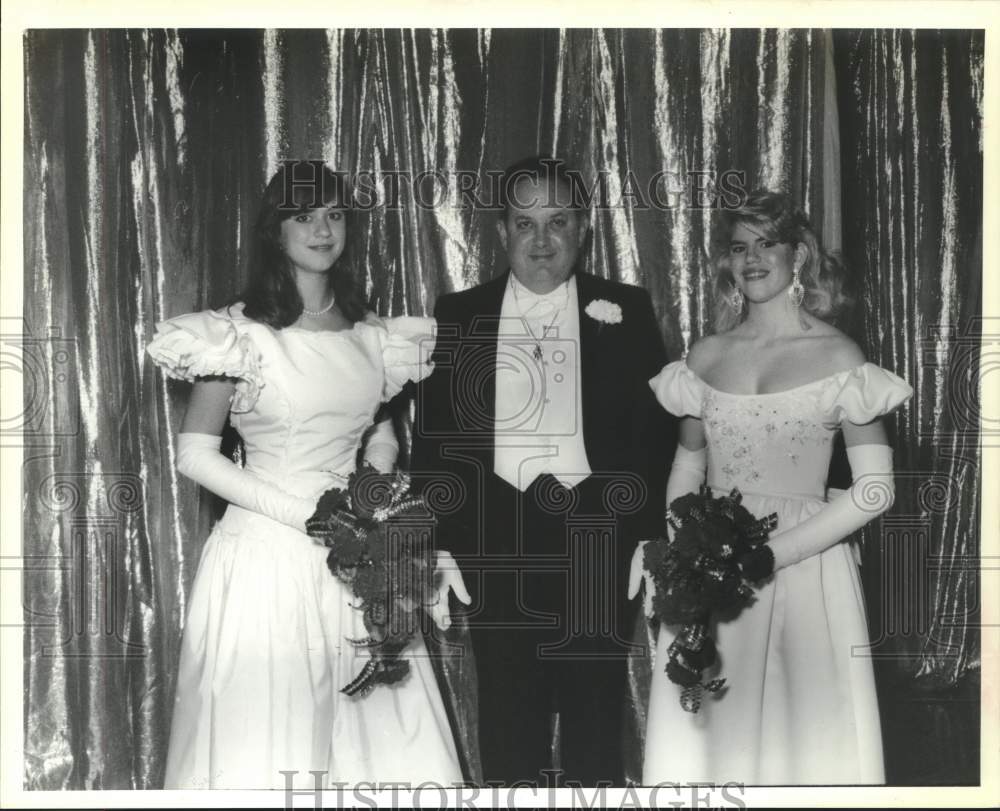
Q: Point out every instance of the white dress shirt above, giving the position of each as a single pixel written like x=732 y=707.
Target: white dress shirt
x=539 y=413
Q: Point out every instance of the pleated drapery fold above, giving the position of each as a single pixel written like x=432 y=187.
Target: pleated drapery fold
x=145 y=156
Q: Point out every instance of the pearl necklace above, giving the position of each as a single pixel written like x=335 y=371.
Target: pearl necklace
x=326 y=309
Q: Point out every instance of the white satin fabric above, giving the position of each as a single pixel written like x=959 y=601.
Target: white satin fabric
x=800 y=705
x=265 y=649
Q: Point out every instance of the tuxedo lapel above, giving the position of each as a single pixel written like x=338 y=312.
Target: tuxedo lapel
x=484 y=329
x=590 y=375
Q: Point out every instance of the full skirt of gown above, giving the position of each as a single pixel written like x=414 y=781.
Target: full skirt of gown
x=265 y=652
x=799 y=705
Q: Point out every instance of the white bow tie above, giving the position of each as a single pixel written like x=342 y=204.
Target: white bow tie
x=540 y=305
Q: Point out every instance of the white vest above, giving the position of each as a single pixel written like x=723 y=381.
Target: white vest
x=539 y=413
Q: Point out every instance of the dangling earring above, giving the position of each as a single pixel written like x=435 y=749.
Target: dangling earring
x=735 y=300
x=796 y=292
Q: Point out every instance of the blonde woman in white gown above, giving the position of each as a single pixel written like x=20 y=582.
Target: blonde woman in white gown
x=300 y=369
x=761 y=402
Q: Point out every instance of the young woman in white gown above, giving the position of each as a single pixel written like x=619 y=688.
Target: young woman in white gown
x=761 y=401
x=300 y=369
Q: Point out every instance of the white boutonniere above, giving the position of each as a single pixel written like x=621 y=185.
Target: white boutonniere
x=607 y=312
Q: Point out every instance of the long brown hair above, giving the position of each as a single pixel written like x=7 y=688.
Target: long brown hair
x=271 y=295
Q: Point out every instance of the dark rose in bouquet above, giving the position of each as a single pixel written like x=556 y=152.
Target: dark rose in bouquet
x=702 y=573
x=379 y=539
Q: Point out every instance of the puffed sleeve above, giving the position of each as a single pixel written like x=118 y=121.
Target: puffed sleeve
x=208 y=344
x=861 y=395
x=679 y=390
x=407 y=343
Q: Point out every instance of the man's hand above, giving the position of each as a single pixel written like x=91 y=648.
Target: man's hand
x=638 y=576
x=448 y=578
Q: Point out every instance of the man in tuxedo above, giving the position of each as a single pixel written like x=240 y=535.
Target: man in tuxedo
x=545 y=454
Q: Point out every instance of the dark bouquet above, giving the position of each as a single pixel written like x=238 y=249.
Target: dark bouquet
x=703 y=573
x=379 y=539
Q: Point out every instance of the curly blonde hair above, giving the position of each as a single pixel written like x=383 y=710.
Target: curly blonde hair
x=777 y=217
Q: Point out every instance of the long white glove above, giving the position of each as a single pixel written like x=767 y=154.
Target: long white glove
x=871 y=494
x=687 y=474
x=198 y=458
x=383 y=447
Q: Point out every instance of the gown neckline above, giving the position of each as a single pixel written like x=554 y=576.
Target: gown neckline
x=346 y=331
x=239 y=306
x=772 y=393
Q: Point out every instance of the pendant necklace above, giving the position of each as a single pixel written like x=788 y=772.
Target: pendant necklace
x=537 y=352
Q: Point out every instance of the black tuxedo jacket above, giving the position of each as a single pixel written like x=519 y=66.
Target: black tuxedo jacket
x=627 y=434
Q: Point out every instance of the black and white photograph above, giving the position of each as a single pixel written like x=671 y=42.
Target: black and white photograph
x=601 y=414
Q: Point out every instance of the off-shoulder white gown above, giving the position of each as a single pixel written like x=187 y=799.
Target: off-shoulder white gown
x=800 y=705
x=265 y=648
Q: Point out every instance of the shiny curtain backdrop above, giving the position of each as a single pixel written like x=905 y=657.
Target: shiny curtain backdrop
x=911 y=111
x=146 y=152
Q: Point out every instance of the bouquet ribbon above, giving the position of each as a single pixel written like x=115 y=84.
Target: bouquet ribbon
x=699 y=578
x=379 y=537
